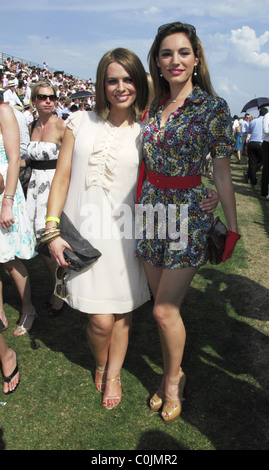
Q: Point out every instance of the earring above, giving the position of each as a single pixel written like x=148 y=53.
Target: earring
x=195 y=73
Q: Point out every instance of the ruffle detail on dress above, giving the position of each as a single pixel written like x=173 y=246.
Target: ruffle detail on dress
x=103 y=161
x=73 y=121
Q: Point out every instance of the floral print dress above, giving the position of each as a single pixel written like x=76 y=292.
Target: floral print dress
x=40 y=183
x=179 y=148
x=18 y=240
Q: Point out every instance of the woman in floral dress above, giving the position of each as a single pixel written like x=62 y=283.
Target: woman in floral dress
x=17 y=239
x=186 y=122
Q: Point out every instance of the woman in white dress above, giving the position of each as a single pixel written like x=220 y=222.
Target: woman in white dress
x=95 y=184
x=17 y=239
x=96 y=178
x=46 y=138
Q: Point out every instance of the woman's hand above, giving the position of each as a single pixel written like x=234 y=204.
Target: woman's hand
x=56 y=249
x=210 y=203
x=6 y=217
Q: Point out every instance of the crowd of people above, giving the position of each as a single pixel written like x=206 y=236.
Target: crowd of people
x=91 y=163
x=252 y=147
x=17 y=79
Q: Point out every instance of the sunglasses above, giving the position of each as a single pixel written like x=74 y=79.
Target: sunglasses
x=44 y=97
x=61 y=275
x=187 y=25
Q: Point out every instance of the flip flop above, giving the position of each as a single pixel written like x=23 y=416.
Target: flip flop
x=10 y=377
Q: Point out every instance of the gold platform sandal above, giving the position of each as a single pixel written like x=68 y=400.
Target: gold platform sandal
x=170 y=412
x=104 y=403
x=156 y=401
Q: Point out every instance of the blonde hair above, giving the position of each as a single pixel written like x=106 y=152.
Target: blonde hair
x=202 y=78
x=132 y=64
x=35 y=89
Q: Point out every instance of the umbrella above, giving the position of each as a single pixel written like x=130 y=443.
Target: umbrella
x=81 y=94
x=256 y=103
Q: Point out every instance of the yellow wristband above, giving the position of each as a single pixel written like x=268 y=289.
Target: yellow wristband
x=53 y=219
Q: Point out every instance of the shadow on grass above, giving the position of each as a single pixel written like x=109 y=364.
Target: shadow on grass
x=224 y=361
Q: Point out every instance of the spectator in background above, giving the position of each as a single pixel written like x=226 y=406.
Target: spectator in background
x=255 y=157
x=46 y=138
x=11 y=97
x=28 y=112
x=244 y=127
x=238 y=141
x=235 y=122
x=265 y=152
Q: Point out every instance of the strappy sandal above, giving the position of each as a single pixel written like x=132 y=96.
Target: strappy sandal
x=170 y=413
x=156 y=400
x=100 y=385
x=21 y=329
x=10 y=377
x=104 y=403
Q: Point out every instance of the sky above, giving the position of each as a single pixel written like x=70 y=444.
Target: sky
x=73 y=35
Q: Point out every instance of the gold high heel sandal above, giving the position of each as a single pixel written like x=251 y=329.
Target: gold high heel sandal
x=170 y=413
x=156 y=401
x=104 y=403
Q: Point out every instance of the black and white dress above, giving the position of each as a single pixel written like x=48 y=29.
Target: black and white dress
x=40 y=183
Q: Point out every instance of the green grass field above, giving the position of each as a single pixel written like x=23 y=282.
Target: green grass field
x=56 y=406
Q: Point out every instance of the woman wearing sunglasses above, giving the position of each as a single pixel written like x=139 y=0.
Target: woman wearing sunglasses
x=186 y=122
x=46 y=138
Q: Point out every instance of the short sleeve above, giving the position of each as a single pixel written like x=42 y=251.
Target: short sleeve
x=266 y=124
x=220 y=130
x=73 y=121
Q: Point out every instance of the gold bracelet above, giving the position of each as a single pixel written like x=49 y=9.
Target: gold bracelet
x=49 y=237
x=50 y=230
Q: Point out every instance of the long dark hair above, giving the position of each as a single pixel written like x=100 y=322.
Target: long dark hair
x=202 y=78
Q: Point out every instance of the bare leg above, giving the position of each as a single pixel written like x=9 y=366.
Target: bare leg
x=117 y=352
x=98 y=332
x=8 y=360
x=2 y=312
x=56 y=302
x=108 y=337
x=20 y=277
x=169 y=289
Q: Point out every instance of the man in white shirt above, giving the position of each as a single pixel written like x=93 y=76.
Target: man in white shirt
x=265 y=152
x=244 y=128
x=235 y=123
x=255 y=156
x=10 y=96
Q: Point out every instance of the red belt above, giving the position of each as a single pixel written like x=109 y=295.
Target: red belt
x=174 y=182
